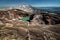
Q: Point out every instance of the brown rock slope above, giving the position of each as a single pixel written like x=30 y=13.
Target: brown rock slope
x=45 y=18
x=37 y=29
x=13 y=31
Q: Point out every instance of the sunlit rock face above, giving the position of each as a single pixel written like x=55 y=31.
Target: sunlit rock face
x=26 y=8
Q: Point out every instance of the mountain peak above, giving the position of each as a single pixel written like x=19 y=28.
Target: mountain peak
x=26 y=8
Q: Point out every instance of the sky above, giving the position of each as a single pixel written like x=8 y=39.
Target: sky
x=36 y=3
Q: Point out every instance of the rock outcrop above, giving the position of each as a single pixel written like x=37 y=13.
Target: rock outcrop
x=45 y=18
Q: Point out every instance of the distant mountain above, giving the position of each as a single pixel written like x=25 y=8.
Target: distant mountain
x=50 y=9
x=26 y=8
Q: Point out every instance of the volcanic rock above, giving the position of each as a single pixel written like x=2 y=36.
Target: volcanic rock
x=41 y=26
x=45 y=18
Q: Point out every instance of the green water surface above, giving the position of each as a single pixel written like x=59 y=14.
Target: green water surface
x=25 y=18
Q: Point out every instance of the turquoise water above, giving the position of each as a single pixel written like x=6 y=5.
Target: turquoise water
x=25 y=18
